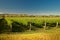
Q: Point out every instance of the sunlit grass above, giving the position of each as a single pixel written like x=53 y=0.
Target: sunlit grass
x=52 y=34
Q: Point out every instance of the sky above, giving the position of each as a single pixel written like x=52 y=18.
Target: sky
x=45 y=7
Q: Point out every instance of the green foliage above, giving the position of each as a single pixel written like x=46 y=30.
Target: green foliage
x=18 y=27
x=4 y=26
x=37 y=25
x=51 y=24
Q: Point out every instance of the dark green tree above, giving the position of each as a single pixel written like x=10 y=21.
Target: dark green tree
x=4 y=25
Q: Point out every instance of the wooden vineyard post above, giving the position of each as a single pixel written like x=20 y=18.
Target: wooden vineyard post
x=44 y=25
x=57 y=24
x=10 y=28
x=30 y=27
x=29 y=23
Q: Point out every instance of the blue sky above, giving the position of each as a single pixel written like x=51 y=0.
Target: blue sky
x=30 y=6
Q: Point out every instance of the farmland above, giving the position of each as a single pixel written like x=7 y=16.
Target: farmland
x=35 y=33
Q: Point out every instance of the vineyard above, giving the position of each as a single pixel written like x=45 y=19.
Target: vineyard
x=21 y=24
x=39 y=25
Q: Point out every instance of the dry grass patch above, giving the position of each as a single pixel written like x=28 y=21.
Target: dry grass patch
x=36 y=36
